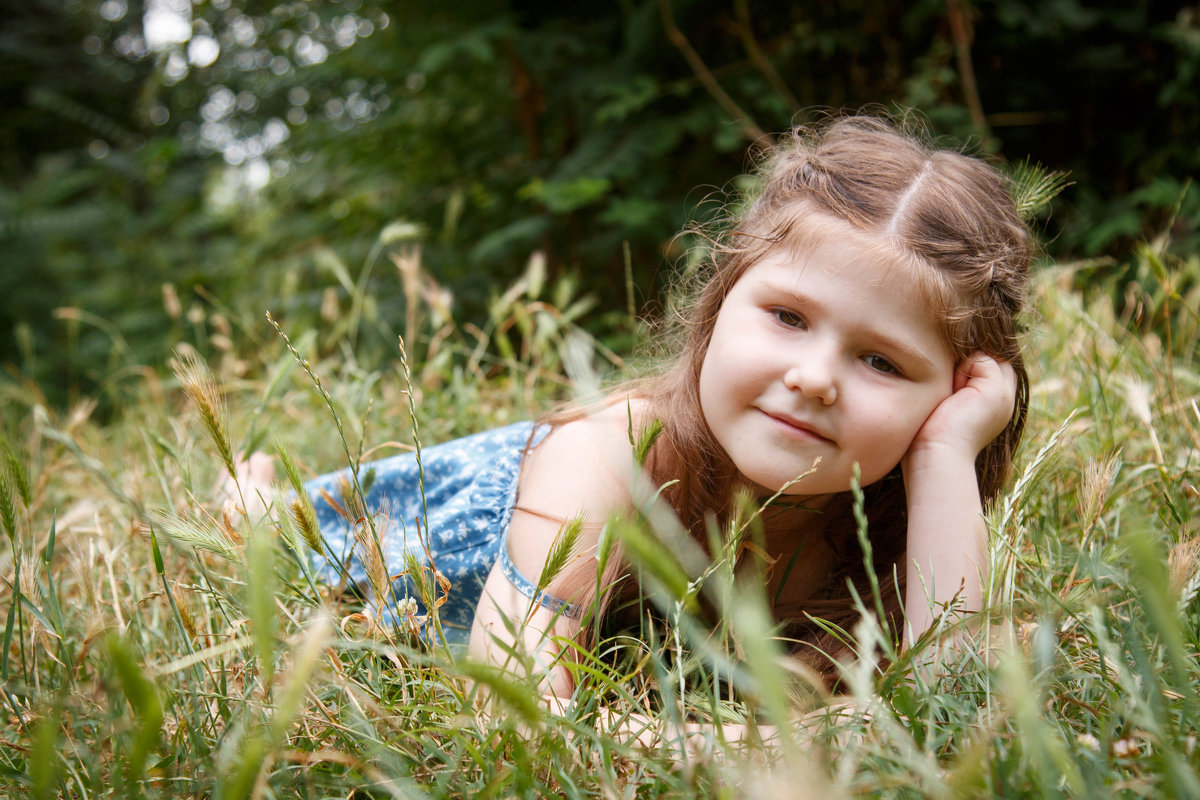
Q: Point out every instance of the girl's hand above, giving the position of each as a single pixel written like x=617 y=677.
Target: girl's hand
x=985 y=392
x=947 y=539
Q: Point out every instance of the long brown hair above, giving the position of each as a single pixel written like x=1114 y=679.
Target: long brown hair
x=950 y=215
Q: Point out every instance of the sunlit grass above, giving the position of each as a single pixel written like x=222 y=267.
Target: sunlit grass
x=157 y=644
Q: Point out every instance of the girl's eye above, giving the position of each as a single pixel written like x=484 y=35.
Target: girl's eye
x=881 y=364
x=788 y=318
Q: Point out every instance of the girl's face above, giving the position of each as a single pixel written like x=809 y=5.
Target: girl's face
x=831 y=354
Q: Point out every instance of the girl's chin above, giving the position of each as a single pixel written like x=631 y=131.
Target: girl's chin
x=816 y=498
x=793 y=494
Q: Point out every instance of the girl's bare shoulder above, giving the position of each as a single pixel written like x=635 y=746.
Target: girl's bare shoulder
x=584 y=465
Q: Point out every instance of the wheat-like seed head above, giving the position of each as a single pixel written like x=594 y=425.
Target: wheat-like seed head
x=565 y=547
x=370 y=551
x=1183 y=566
x=305 y=518
x=8 y=515
x=205 y=396
x=301 y=507
x=1097 y=482
x=1033 y=187
x=351 y=502
x=16 y=471
x=28 y=582
x=196 y=533
x=415 y=571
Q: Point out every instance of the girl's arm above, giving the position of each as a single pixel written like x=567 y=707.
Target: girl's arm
x=579 y=471
x=947 y=536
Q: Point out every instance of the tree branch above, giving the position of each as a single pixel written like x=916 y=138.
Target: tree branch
x=759 y=58
x=966 y=71
x=748 y=127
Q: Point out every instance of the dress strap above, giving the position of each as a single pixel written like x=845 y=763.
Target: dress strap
x=526 y=587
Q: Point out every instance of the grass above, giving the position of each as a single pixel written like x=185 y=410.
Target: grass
x=157 y=647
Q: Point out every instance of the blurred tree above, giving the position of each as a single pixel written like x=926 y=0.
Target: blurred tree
x=251 y=152
x=1111 y=92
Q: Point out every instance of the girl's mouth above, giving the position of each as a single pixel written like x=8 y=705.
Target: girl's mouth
x=798 y=429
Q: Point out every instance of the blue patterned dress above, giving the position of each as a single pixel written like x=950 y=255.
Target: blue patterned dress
x=470 y=488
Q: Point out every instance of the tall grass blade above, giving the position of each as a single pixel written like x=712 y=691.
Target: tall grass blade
x=260 y=563
x=305 y=660
x=1042 y=746
x=48 y=550
x=51 y=593
x=754 y=630
x=351 y=459
x=44 y=761
x=146 y=704
x=9 y=624
x=502 y=686
x=656 y=562
x=240 y=777
x=36 y=612
x=864 y=542
x=1153 y=587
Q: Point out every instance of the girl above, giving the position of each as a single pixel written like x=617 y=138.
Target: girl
x=861 y=311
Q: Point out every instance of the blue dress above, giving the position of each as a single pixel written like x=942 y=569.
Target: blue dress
x=470 y=488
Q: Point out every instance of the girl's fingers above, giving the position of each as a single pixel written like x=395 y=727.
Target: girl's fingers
x=995 y=386
x=979 y=365
x=979 y=408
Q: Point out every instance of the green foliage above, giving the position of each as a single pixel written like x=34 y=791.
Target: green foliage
x=475 y=147
x=129 y=217
x=237 y=675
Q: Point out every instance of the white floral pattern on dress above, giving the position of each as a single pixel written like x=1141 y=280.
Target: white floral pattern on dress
x=470 y=488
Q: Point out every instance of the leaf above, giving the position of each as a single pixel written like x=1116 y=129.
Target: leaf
x=260 y=559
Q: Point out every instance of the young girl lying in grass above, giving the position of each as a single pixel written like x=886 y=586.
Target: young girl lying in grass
x=861 y=311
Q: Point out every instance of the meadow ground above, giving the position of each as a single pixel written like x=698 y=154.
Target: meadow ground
x=158 y=646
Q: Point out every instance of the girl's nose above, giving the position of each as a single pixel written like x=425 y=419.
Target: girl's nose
x=814 y=376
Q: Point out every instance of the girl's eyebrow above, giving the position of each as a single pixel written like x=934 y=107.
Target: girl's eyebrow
x=886 y=342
